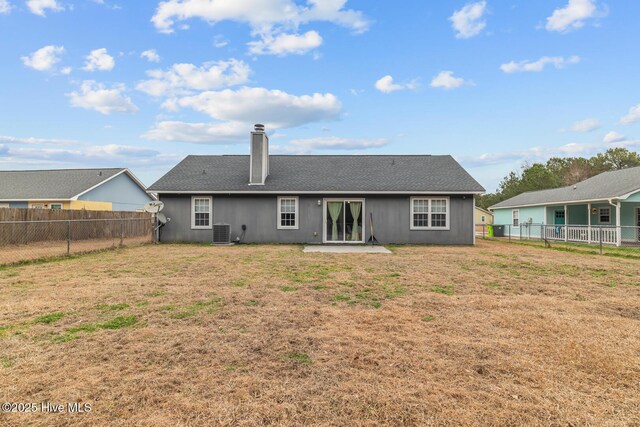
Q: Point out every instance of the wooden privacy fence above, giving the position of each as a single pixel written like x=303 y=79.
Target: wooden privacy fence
x=25 y=226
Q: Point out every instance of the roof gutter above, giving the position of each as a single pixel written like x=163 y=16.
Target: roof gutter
x=316 y=192
x=566 y=202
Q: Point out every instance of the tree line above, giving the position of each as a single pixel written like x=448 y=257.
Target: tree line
x=559 y=172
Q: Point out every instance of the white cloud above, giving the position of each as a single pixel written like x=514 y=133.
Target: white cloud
x=586 y=125
x=99 y=60
x=468 y=22
x=274 y=108
x=539 y=65
x=26 y=152
x=44 y=59
x=446 y=80
x=5 y=7
x=284 y=44
x=613 y=136
x=219 y=41
x=96 y=96
x=107 y=5
x=39 y=7
x=94 y=154
x=34 y=140
x=336 y=143
x=573 y=15
x=542 y=154
x=632 y=117
x=199 y=133
x=261 y=15
x=66 y=70
x=387 y=85
x=182 y=79
x=150 y=55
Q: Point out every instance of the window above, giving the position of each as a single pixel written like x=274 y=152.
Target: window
x=605 y=215
x=429 y=213
x=36 y=205
x=201 y=210
x=56 y=206
x=515 y=215
x=287 y=213
x=483 y=219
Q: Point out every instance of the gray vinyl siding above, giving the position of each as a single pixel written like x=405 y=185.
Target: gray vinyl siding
x=391 y=219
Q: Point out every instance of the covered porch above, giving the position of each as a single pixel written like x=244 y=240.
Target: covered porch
x=610 y=222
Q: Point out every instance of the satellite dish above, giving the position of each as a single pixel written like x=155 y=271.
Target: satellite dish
x=162 y=219
x=154 y=206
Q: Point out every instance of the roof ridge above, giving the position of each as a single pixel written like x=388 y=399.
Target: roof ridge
x=325 y=155
x=61 y=170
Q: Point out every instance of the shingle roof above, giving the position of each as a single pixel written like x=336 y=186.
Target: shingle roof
x=50 y=184
x=320 y=173
x=607 y=185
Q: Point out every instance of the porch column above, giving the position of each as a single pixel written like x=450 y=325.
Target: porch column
x=566 y=223
x=618 y=225
x=543 y=229
x=589 y=221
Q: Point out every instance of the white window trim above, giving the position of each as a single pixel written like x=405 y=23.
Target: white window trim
x=429 y=227
x=483 y=218
x=193 y=213
x=600 y=215
x=61 y=205
x=513 y=211
x=279 y=221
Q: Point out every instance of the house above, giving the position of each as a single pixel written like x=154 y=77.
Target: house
x=318 y=199
x=606 y=206
x=91 y=189
x=483 y=216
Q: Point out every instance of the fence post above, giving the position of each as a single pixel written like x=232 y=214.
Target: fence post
x=542 y=236
x=483 y=228
x=121 y=231
x=509 y=232
x=600 y=233
x=69 y=238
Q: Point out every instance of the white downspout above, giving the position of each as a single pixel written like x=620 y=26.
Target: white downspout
x=618 y=206
x=473 y=220
x=566 y=224
x=589 y=221
x=618 y=223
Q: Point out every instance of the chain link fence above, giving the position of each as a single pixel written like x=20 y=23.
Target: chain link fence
x=31 y=240
x=600 y=235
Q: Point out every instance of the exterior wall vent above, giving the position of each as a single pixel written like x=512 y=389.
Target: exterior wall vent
x=221 y=234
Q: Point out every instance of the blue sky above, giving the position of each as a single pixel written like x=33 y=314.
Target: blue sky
x=93 y=83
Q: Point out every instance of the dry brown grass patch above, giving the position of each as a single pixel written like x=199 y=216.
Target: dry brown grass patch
x=267 y=335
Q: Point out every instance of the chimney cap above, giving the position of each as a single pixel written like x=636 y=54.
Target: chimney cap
x=258 y=127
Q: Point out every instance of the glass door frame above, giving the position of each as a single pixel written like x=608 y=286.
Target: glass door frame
x=344 y=201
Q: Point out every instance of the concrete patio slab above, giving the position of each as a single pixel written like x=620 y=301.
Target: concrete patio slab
x=347 y=249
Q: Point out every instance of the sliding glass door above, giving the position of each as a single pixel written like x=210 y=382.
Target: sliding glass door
x=344 y=219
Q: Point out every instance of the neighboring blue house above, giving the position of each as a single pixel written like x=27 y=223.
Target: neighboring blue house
x=605 y=206
x=111 y=189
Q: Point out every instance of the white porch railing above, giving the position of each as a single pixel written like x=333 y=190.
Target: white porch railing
x=582 y=233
